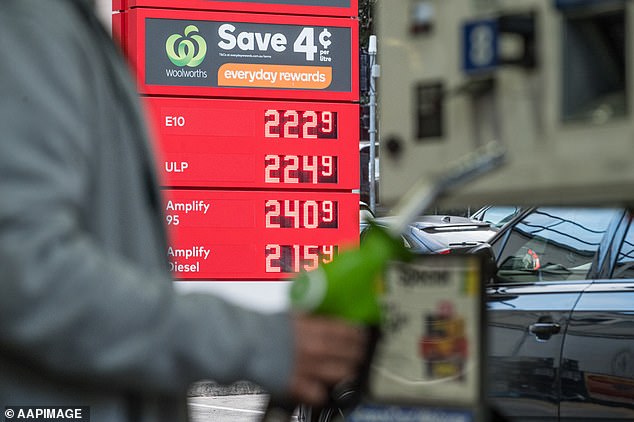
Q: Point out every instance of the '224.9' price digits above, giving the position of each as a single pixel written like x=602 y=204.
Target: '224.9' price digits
x=296 y=258
x=300 y=169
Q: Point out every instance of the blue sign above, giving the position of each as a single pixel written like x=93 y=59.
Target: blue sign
x=480 y=45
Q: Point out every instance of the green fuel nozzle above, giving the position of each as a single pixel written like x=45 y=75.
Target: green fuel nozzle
x=349 y=287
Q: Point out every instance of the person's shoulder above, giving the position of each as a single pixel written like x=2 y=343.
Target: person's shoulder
x=50 y=60
x=48 y=41
x=40 y=22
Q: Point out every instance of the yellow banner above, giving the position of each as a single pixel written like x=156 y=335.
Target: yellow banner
x=274 y=76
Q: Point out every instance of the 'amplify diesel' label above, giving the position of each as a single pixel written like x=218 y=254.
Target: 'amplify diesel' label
x=224 y=54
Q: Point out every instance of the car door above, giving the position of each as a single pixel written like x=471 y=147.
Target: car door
x=597 y=380
x=543 y=262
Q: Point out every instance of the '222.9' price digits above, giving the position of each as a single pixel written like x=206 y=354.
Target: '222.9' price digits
x=295 y=124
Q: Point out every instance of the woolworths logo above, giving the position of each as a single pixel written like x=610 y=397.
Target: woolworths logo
x=189 y=50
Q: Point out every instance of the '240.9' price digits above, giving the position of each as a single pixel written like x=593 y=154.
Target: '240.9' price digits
x=296 y=214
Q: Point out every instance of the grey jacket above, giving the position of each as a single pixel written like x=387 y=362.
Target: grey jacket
x=88 y=314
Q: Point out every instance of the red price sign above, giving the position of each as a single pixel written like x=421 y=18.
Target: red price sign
x=256 y=144
x=252 y=105
x=301 y=7
x=256 y=235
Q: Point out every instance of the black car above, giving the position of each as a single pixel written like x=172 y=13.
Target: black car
x=440 y=234
x=560 y=315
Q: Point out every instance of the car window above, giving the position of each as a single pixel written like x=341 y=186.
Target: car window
x=553 y=244
x=498 y=215
x=624 y=267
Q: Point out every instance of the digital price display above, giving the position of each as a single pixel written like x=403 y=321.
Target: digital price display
x=348 y=8
x=256 y=144
x=223 y=54
x=256 y=235
x=291 y=259
x=293 y=213
x=296 y=124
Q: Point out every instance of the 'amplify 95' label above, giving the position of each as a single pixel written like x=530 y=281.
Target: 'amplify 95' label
x=223 y=54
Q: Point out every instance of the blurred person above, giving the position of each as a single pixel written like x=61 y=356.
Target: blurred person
x=88 y=313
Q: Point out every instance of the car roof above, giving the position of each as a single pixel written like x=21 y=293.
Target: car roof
x=447 y=221
x=436 y=232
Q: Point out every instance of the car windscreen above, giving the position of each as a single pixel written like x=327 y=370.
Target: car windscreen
x=554 y=244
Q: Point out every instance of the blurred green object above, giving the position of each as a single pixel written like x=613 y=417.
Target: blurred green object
x=349 y=287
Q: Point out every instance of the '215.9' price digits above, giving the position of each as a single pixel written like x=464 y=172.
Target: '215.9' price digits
x=296 y=258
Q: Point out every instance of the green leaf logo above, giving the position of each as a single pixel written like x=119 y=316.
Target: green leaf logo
x=192 y=49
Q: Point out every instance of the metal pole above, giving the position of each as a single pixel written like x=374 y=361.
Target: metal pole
x=375 y=73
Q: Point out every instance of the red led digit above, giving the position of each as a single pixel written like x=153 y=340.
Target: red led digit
x=327 y=211
x=309 y=165
x=310 y=121
x=311 y=254
x=273 y=252
x=296 y=258
x=272 y=212
x=271 y=124
x=326 y=162
x=326 y=119
x=291 y=211
x=291 y=124
x=291 y=164
x=272 y=164
x=311 y=215
x=328 y=253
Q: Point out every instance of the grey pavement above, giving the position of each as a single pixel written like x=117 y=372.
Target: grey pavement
x=236 y=408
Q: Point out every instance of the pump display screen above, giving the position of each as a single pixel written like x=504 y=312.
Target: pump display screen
x=300 y=124
x=257 y=235
x=256 y=144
